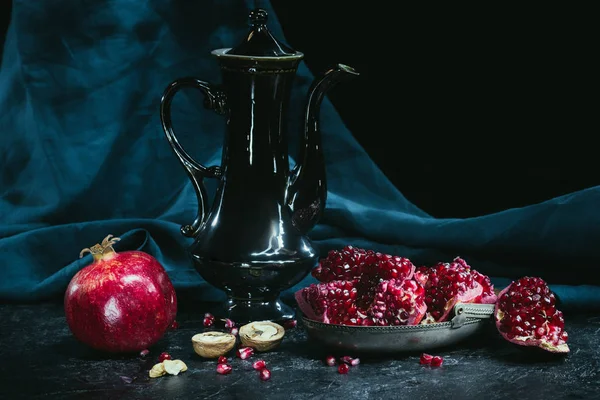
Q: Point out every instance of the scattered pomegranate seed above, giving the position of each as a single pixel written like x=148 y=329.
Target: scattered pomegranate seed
x=228 y=323
x=350 y=361
x=164 y=356
x=343 y=368
x=259 y=365
x=245 y=352
x=290 y=324
x=234 y=331
x=222 y=360
x=437 y=361
x=144 y=353
x=209 y=320
x=174 y=325
x=264 y=374
x=330 y=360
x=425 y=359
x=224 y=369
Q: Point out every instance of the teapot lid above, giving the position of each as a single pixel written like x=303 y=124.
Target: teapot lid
x=259 y=42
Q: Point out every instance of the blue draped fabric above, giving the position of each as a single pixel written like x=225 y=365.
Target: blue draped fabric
x=82 y=155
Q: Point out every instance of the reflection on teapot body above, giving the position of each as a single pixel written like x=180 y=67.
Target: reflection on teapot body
x=252 y=242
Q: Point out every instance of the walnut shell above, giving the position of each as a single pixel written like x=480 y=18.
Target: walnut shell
x=213 y=344
x=261 y=335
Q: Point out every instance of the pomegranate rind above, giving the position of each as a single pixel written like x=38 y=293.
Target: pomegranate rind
x=306 y=308
x=527 y=341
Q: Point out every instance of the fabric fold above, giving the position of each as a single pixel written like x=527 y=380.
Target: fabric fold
x=83 y=155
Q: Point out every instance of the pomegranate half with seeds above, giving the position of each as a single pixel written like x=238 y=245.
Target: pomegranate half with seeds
x=122 y=302
x=526 y=315
x=332 y=302
x=447 y=284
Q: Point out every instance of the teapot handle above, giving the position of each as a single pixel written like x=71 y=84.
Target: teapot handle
x=214 y=99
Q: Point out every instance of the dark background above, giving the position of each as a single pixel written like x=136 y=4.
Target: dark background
x=467 y=111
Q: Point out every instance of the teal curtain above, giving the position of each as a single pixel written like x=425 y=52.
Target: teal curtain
x=82 y=155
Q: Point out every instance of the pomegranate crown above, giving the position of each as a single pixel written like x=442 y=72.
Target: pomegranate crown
x=100 y=249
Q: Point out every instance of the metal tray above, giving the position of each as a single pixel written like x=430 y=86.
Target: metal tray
x=468 y=319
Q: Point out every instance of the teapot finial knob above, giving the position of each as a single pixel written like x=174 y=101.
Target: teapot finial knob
x=258 y=16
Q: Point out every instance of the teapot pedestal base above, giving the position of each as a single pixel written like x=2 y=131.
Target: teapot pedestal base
x=245 y=310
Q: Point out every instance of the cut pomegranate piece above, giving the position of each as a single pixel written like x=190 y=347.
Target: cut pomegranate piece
x=526 y=315
x=488 y=296
x=398 y=303
x=331 y=302
x=425 y=359
x=445 y=285
x=377 y=267
x=351 y=263
x=340 y=265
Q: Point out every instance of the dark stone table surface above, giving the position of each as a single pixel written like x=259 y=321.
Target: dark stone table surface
x=41 y=359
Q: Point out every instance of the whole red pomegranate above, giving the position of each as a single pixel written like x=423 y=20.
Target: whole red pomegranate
x=122 y=302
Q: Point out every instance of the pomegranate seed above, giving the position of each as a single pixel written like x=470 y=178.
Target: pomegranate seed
x=234 y=331
x=228 y=323
x=144 y=353
x=343 y=368
x=425 y=359
x=259 y=365
x=209 y=320
x=245 y=352
x=330 y=360
x=164 y=356
x=224 y=369
x=290 y=324
x=264 y=374
x=437 y=361
x=350 y=361
x=222 y=360
x=174 y=325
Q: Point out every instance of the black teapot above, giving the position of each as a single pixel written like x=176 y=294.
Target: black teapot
x=252 y=241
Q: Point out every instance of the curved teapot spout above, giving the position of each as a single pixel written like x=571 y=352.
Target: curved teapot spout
x=307 y=189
